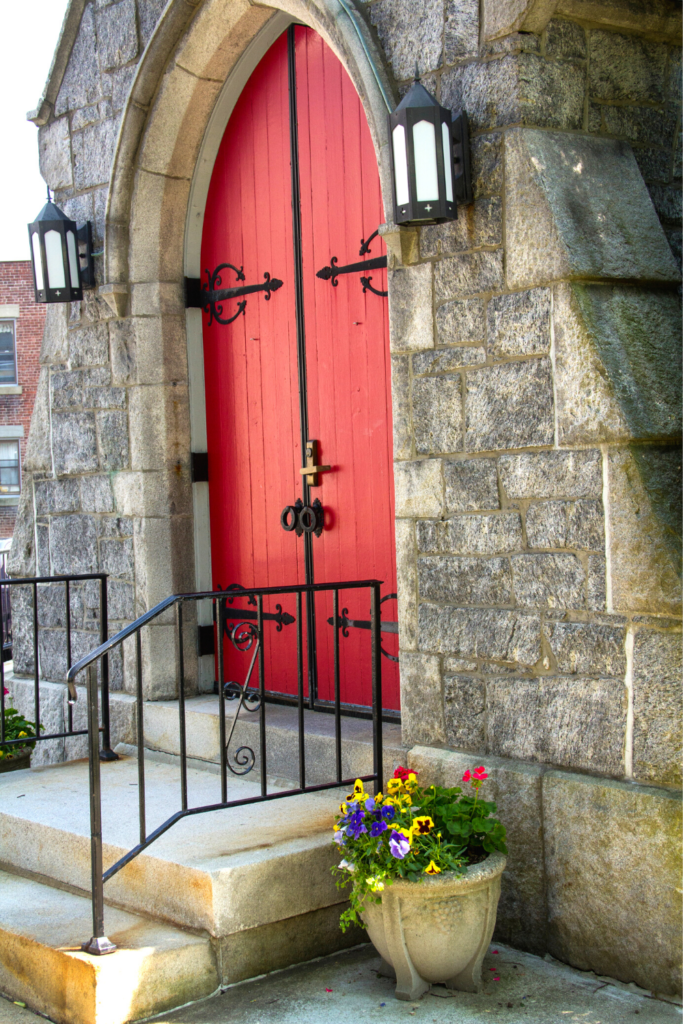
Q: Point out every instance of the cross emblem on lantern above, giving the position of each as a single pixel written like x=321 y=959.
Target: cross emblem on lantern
x=428 y=208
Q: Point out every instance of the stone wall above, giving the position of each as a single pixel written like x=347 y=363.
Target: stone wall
x=103 y=412
x=536 y=384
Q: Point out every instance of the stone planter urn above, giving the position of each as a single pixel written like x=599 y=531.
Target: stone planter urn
x=437 y=931
x=16 y=763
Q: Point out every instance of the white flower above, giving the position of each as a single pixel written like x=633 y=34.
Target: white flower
x=347 y=865
x=339 y=838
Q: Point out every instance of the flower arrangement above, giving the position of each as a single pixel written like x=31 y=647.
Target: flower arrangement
x=16 y=728
x=411 y=832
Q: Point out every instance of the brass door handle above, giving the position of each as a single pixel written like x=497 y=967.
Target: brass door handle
x=312 y=469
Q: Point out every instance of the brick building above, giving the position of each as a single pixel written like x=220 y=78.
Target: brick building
x=21 y=333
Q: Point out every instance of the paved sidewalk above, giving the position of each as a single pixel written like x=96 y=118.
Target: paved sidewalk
x=346 y=989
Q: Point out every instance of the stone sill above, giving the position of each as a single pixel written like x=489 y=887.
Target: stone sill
x=9 y=499
x=11 y=389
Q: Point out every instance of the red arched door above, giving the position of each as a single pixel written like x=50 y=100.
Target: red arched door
x=300 y=355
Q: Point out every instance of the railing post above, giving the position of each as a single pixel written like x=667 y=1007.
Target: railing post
x=376 y=655
x=106 y=753
x=99 y=944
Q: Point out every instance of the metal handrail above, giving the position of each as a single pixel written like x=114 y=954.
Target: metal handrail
x=106 y=753
x=249 y=635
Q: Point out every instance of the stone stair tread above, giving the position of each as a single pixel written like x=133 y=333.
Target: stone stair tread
x=203 y=737
x=199 y=840
x=156 y=965
x=207 y=871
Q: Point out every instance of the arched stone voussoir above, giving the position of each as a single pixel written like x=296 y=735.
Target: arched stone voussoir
x=185 y=67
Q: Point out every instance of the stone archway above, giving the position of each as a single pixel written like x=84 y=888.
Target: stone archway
x=186 y=85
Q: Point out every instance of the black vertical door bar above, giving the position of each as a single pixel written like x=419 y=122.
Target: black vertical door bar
x=375 y=627
x=301 y=354
x=139 y=711
x=181 y=710
x=221 y=702
x=300 y=690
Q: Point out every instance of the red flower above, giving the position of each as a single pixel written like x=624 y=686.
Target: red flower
x=403 y=773
x=480 y=773
x=6 y=690
x=467 y=776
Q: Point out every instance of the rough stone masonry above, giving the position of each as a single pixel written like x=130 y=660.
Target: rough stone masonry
x=536 y=389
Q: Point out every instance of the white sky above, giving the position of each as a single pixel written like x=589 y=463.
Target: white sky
x=30 y=31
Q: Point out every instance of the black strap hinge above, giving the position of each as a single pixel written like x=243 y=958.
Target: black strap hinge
x=193 y=293
x=199 y=467
x=205 y=641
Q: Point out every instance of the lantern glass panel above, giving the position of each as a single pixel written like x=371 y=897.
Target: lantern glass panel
x=426 y=172
x=401 y=165
x=73 y=258
x=55 y=263
x=37 y=261
x=447 y=160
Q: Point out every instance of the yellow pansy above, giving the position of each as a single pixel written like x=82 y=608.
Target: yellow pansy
x=22 y=733
x=432 y=869
x=343 y=808
x=423 y=825
x=394 y=786
x=358 y=790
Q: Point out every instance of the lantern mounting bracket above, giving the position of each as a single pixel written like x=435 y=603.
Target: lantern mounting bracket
x=461 y=159
x=86 y=258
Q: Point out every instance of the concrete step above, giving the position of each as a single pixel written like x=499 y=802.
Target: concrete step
x=162 y=733
x=155 y=966
x=256 y=878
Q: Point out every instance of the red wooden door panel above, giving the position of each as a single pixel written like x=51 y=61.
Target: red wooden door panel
x=250 y=365
x=252 y=374
x=347 y=361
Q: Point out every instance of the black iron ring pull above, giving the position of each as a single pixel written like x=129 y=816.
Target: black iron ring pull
x=303 y=518
x=289 y=518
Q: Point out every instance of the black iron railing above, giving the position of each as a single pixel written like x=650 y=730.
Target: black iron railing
x=247 y=636
x=34 y=583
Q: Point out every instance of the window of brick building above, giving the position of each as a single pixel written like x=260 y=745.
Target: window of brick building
x=8 y=353
x=9 y=467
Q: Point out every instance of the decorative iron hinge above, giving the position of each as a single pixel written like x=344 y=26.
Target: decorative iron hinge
x=199 y=467
x=205 y=641
x=345 y=623
x=210 y=296
x=332 y=272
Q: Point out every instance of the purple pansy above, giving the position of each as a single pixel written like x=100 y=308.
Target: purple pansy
x=377 y=828
x=398 y=845
x=339 y=838
x=388 y=812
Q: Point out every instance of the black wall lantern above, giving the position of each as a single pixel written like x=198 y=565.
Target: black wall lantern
x=58 y=273
x=430 y=159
